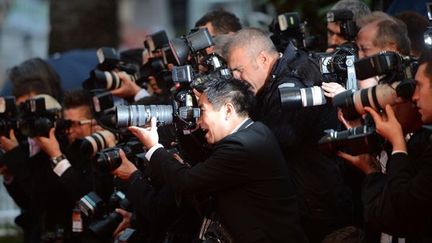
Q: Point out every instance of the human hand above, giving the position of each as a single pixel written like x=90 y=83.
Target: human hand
x=49 y=145
x=125 y=169
x=388 y=127
x=125 y=223
x=331 y=89
x=148 y=136
x=365 y=162
x=10 y=143
x=128 y=87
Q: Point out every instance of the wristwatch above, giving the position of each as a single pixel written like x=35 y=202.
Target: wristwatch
x=56 y=160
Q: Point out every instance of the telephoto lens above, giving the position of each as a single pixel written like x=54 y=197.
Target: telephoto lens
x=94 y=143
x=140 y=115
x=376 y=97
x=107 y=160
x=292 y=97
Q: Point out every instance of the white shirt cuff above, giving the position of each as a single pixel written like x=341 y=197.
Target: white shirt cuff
x=61 y=167
x=150 y=152
x=141 y=94
x=399 y=151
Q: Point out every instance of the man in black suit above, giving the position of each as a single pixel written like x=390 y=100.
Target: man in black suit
x=324 y=203
x=246 y=172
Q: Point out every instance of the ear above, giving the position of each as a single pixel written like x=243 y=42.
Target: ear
x=229 y=110
x=263 y=57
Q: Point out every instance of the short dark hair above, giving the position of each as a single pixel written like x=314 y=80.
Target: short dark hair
x=35 y=76
x=219 y=91
x=223 y=21
x=78 y=98
x=426 y=58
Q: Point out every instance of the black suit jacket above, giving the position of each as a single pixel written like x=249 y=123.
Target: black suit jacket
x=249 y=179
x=400 y=201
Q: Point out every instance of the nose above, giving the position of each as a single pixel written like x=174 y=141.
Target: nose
x=415 y=96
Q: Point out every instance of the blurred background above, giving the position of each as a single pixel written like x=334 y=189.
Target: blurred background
x=67 y=33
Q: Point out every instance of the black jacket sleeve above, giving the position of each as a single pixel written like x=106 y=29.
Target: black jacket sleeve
x=224 y=168
x=399 y=202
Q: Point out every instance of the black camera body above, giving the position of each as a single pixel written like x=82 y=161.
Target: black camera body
x=354 y=141
x=197 y=41
x=105 y=75
x=288 y=27
x=108 y=223
x=35 y=119
x=338 y=66
x=108 y=160
x=8 y=115
x=104 y=219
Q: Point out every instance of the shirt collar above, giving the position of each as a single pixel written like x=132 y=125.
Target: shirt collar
x=241 y=124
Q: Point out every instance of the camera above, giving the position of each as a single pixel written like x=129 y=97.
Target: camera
x=157 y=40
x=106 y=226
x=37 y=117
x=8 y=115
x=109 y=159
x=214 y=65
x=104 y=105
x=338 y=66
x=396 y=84
x=140 y=115
x=354 y=141
x=90 y=145
x=344 y=17
x=289 y=27
x=108 y=80
x=104 y=219
x=197 y=40
x=105 y=76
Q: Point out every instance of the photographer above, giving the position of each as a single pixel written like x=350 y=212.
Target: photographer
x=244 y=172
x=334 y=35
x=72 y=167
x=398 y=202
x=32 y=184
x=378 y=32
x=219 y=22
x=324 y=204
x=49 y=206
